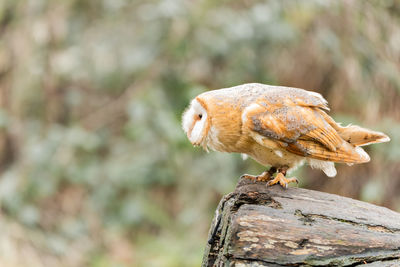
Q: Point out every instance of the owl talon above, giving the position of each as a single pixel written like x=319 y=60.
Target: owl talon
x=282 y=180
x=264 y=177
x=250 y=177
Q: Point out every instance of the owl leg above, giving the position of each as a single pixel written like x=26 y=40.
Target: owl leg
x=281 y=179
x=263 y=177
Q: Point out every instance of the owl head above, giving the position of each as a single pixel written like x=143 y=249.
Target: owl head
x=196 y=122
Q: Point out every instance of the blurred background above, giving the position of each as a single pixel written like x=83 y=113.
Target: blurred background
x=95 y=169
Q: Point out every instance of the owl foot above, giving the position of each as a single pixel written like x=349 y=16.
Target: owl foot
x=263 y=177
x=282 y=180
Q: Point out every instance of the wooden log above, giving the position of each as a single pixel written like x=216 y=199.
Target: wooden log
x=258 y=225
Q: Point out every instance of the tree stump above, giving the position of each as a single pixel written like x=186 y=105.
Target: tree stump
x=258 y=225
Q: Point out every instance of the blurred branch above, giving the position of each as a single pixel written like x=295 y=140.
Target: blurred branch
x=115 y=109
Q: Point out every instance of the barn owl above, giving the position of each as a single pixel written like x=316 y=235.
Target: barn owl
x=280 y=127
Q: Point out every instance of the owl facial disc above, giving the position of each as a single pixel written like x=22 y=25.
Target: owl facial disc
x=194 y=122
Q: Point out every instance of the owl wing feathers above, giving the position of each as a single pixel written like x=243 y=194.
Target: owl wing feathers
x=296 y=96
x=300 y=127
x=346 y=154
x=356 y=135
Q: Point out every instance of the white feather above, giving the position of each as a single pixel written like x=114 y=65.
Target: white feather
x=384 y=139
x=212 y=140
x=321 y=98
x=188 y=120
x=362 y=154
x=259 y=138
x=279 y=153
x=327 y=167
x=247 y=109
x=197 y=133
x=295 y=166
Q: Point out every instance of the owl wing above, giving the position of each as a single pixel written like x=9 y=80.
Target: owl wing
x=299 y=126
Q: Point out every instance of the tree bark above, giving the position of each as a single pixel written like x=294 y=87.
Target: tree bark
x=258 y=225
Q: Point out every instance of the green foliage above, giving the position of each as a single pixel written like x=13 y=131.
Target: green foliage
x=96 y=170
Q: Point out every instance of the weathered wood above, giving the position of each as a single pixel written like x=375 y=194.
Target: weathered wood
x=268 y=226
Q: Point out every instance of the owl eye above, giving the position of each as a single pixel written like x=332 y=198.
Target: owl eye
x=200 y=116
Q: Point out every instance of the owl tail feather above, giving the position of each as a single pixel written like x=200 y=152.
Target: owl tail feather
x=359 y=136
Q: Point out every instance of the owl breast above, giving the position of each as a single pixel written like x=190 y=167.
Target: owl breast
x=212 y=140
x=274 y=157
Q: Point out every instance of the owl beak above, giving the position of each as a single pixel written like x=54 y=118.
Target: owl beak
x=189 y=135
x=196 y=144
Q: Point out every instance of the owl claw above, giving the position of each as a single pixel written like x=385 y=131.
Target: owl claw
x=248 y=176
x=265 y=176
x=282 y=180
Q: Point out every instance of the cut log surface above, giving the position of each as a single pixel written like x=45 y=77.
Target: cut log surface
x=258 y=225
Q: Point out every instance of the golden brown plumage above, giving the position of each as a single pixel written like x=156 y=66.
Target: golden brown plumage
x=277 y=126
